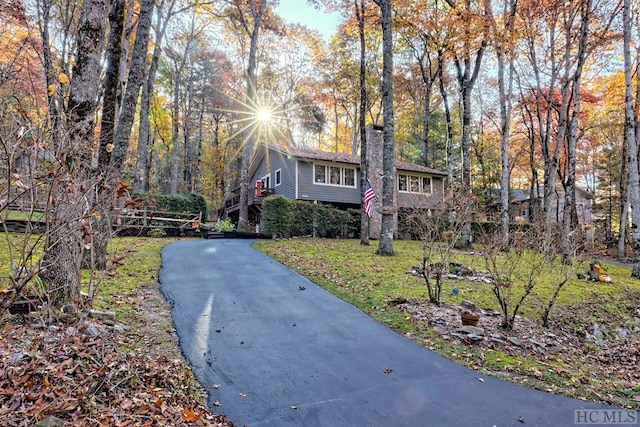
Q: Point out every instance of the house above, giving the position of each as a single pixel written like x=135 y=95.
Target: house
x=525 y=204
x=334 y=178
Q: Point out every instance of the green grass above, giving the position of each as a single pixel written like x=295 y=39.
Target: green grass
x=139 y=265
x=370 y=282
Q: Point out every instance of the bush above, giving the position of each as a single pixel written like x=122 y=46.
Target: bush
x=315 y=219
x=277 y=215
x=156 y=233
x=282 y=216
x=225 y=225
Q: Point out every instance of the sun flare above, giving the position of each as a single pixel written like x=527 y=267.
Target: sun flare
x=264 y=115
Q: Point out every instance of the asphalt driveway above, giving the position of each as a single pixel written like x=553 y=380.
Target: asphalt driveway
x=273 y=349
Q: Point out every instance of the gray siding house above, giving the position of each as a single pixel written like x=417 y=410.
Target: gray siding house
x=333 y=178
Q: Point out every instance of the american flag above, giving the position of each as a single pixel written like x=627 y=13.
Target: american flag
x=369 y=195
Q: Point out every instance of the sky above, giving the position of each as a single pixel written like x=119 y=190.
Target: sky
x=298 y=11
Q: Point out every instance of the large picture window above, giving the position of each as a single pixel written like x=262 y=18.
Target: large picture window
x=334 y=175
x=414 y=184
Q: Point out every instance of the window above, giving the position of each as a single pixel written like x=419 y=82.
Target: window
x=414 y=184
x=320 y=174
x=402 y=183
x=278 y=177
x=334 y=175
x=426 y=184
x=350 y=177
x=266 y=181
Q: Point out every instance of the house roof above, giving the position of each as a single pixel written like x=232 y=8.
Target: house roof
x=305 y=153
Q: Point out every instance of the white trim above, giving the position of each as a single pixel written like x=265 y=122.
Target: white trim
x=296 y=161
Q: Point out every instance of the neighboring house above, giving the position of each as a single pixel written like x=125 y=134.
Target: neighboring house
x=334 y=178
x=522 y=205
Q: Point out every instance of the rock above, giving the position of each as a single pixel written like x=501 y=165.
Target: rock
x=15 y=358
x=496 y=336
x=623 y=333
x=538 y=349
x=103 y=315
x=597 y=332
x=554 y=349
x=53 y=328
x=515 y=341
x=497 y=340
x=460 y=336
x=474 y=337
x=68 y=318
x=601 y=344
x=92 y=329
x=468 y=305
x=70 y=309
x=51 y=422
x=537 y=344
x=468 y=329
x=122 y=328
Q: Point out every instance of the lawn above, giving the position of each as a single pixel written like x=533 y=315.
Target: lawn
x=379 y=286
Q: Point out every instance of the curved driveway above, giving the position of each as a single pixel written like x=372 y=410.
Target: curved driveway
x=274 y=349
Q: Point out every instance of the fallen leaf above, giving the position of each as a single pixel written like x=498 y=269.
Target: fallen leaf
x=243 y=394
x=521 y=420
x=216 y=386
x=216 y=403
x=481 y=379
x=189 y=415
x=388 y=370
x=294 y=407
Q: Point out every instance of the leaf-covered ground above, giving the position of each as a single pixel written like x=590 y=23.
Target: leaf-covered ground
x=381 y=287
x=88 y=372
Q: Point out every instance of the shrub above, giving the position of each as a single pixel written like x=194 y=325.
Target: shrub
x=156 y=233
x=277 y=215
x=225 y=225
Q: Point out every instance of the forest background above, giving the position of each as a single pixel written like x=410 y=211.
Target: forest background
x=101 y=97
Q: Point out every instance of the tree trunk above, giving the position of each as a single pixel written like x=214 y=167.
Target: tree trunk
x=467 y=76
x=364 y=168
x=631 y=141
x=137 y=71
x=504 y=95
x=505 y=127
x=257 y=11
x=448 y=121
x=140 y=182
x=70 y=230
x=389 y=210
x=111 y=87
x=569 y=217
